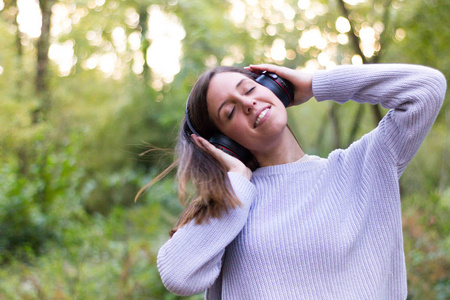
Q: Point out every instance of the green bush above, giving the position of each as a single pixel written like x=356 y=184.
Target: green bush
x=37 y=201
x=101 y=257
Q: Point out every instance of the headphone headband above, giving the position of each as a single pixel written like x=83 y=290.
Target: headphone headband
x=188 y=122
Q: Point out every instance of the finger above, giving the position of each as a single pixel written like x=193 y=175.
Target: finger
x=226 y=159
x=266 y=67
x=207 y=147
x=258 y=68
x=198 y=141
x=280 y=71
x=194 y=137
x=231 y=163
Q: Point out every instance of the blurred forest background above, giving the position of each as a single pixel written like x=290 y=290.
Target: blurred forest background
x=86 y=85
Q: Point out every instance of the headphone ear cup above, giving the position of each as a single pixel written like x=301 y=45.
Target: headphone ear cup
x=282 y=88
x=230 y=147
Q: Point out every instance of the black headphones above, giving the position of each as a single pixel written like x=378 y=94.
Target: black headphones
x=282 y=88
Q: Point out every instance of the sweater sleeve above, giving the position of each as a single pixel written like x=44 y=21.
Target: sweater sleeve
x=191 y=260
x=414 y=95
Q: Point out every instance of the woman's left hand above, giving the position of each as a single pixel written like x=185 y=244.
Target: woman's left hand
x=231 y=163
x=301 y=80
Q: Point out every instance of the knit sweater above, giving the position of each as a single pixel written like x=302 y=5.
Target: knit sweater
x=324 y=228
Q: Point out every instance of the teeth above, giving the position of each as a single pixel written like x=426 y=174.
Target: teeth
x=261 y=115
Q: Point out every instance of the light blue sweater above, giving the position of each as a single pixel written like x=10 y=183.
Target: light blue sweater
x=320 y=229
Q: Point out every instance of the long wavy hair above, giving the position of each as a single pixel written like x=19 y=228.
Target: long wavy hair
x=214 y=195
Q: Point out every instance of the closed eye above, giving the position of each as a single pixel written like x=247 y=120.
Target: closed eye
x=231 y=113
x=250 y=90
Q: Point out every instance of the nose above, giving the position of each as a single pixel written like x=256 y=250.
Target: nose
x=248 y=105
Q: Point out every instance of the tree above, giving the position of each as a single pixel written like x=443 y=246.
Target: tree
x=42 y=47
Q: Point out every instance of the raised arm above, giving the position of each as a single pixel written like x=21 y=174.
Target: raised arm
x=191 y=260
x=414 y=95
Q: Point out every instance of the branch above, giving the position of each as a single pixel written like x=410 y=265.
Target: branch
x=384 y=35
x=356 y=47
x=353 y=37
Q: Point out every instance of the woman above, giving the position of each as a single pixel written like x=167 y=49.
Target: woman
x=286 y=225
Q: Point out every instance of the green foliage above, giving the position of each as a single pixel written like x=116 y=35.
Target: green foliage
x=31 y=199
x=69 y=228
x=23 y=225
x=427 y=244
x=99 y=258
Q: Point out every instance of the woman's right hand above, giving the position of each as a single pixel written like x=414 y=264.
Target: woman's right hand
x=231 y=163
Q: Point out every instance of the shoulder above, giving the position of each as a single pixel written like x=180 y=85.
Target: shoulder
x=368 y=152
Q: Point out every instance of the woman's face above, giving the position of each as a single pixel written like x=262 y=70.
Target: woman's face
x=246 y=111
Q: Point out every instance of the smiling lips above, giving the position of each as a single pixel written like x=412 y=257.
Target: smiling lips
x=261 y=116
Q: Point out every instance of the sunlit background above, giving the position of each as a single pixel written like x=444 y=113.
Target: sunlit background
x=166 y=34
x=73 y=128
x=163 y=56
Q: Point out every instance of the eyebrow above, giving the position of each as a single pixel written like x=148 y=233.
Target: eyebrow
x=225 y=102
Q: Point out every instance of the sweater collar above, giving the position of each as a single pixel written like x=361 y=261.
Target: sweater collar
x=304 y=164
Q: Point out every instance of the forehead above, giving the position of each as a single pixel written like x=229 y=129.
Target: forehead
x=222 y=85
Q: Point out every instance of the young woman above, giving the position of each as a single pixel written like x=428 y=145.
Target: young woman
x=287 y=225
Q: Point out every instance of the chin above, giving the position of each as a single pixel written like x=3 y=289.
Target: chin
x=266 y=135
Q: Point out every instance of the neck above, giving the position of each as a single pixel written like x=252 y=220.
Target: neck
x=285 y=150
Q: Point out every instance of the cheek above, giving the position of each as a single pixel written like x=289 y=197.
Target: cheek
x=237 y=131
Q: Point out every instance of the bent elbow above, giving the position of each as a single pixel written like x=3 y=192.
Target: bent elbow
x=184 y=279
x=443 y=84
x=177 y=284
x=437 y=84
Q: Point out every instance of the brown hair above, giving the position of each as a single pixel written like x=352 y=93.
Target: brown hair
x=213 y=192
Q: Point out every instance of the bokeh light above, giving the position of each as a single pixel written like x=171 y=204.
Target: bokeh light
x=29 y=18
x=164 y=54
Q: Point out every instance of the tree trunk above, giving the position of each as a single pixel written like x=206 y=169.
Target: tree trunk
x=18 y=38
x=335 y=126
x=143 y=18
x=43 y=93
x=19 y=48
x=356 y=122
x=43 y=45
x=321 y=133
